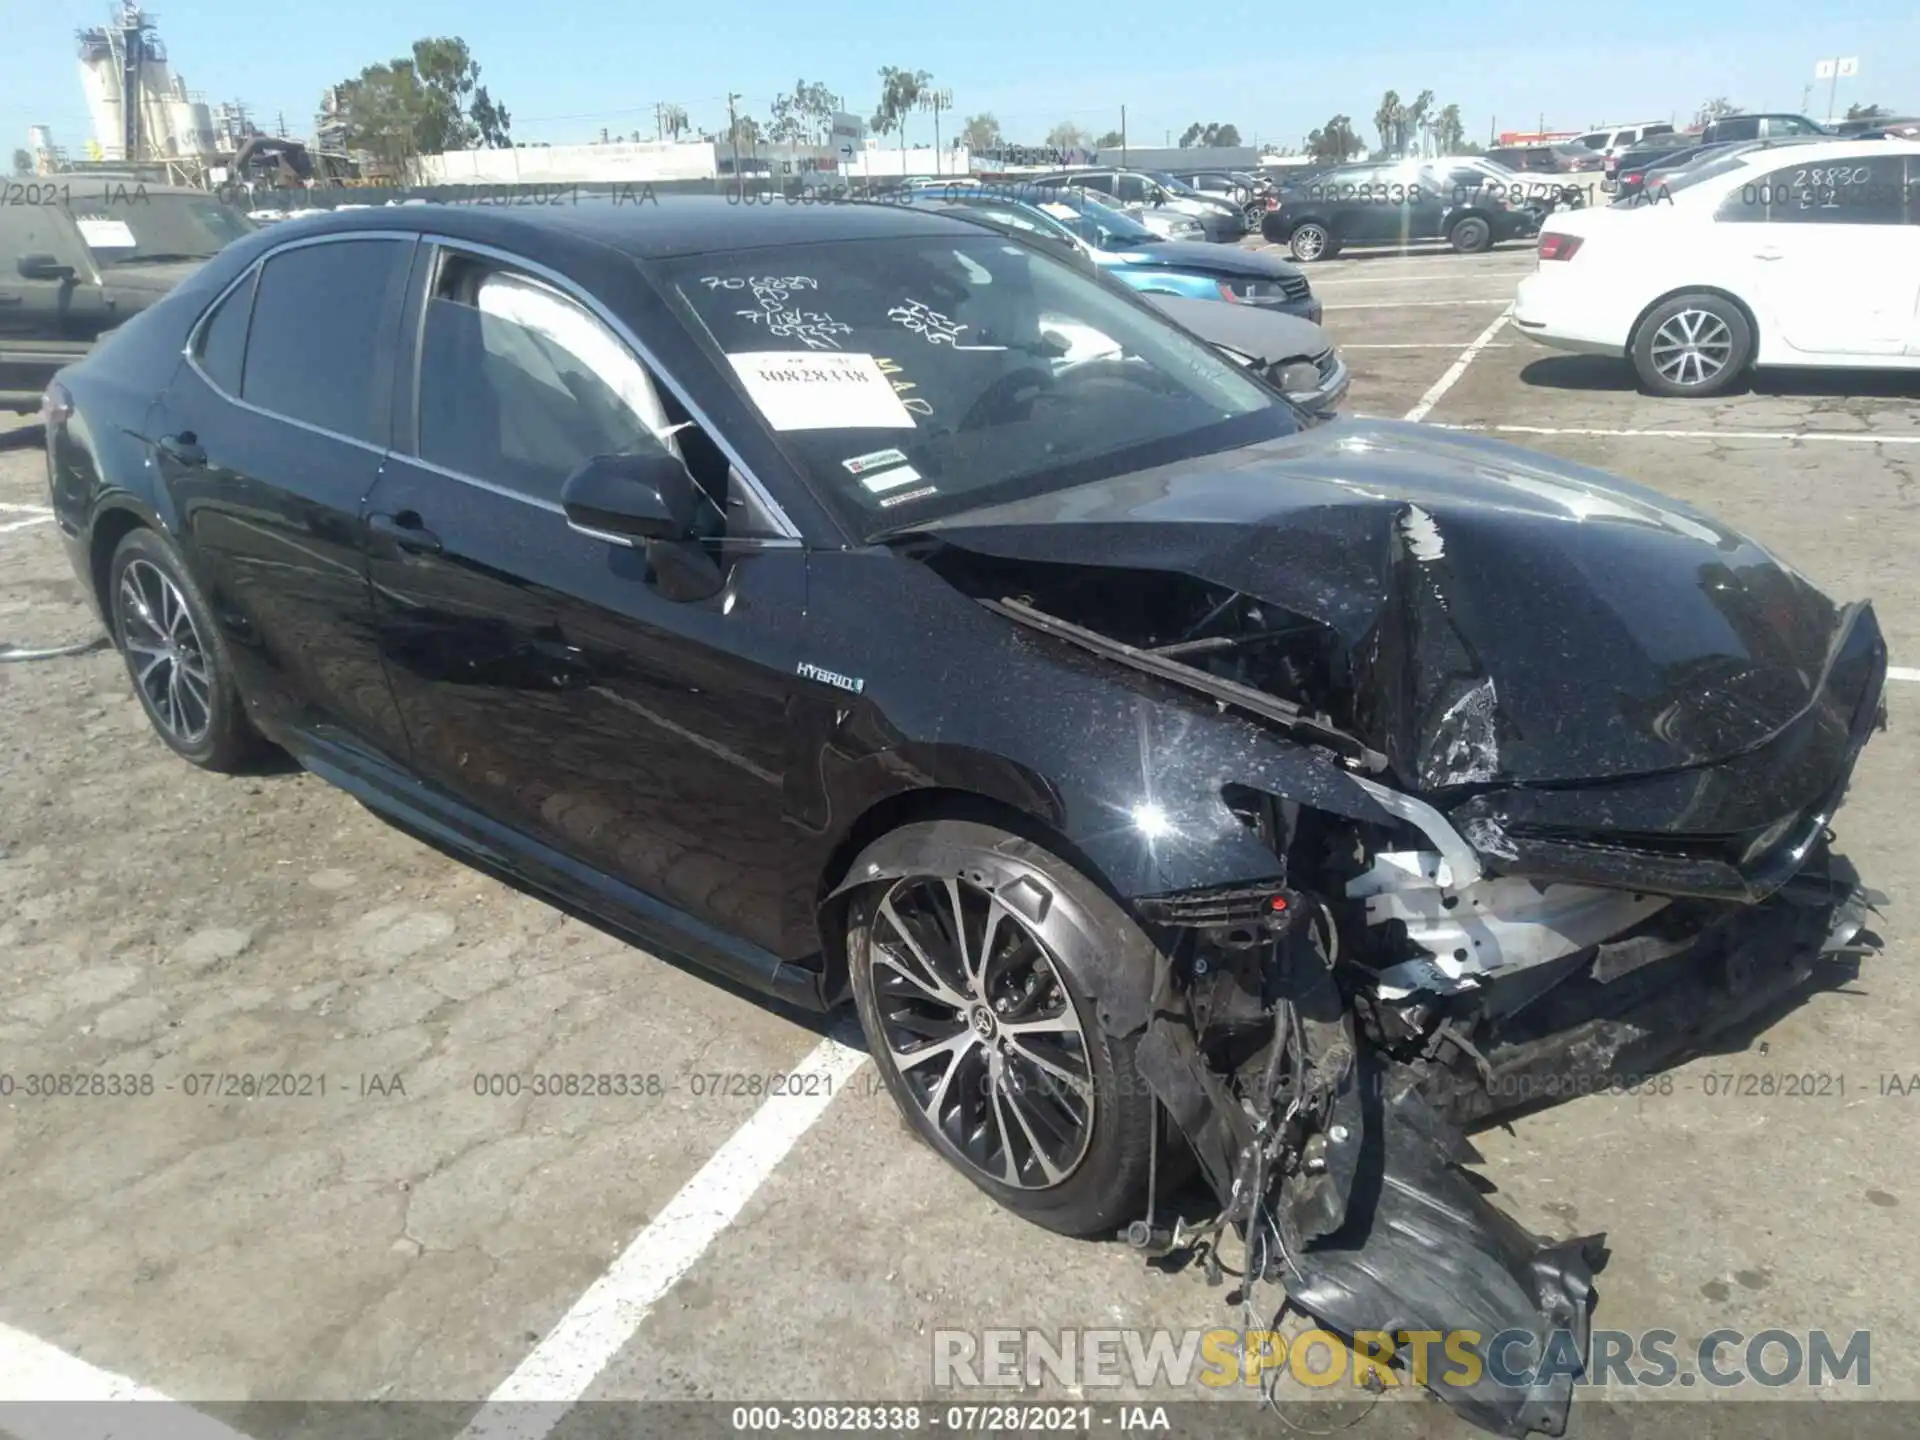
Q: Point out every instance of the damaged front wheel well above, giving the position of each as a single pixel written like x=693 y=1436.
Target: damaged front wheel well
x=913 y=807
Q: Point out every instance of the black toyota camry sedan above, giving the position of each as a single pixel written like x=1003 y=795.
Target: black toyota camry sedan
x=867 y=606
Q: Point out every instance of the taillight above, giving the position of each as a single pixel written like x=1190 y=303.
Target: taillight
x=56 y=406
x=1632 y=177
x=1558 y=247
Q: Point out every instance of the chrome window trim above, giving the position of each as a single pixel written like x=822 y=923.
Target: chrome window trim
x=206 y=316
x=658 y=372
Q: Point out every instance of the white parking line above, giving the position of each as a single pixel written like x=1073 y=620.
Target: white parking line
x=1426 y=279
x=1415 y=304
x=25 y=509
x=1903 y=672
x=1425 y=345
x=532 y=1400
x=47 y=1394
x=1842 y=437
x=1459 y=367
x=23 y=524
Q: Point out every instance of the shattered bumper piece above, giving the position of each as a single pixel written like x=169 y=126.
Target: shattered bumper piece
x=1423 y=1250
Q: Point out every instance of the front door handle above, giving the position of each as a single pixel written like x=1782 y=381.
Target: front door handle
x=183 y=449
x=406 y=531
x=1768 y=252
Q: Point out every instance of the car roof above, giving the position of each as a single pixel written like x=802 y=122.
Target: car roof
x=1809 y=152
x=656 y=228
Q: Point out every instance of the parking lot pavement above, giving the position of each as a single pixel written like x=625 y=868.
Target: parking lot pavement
x=434 y=1243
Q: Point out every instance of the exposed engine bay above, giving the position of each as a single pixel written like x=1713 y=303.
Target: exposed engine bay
x=1320 y=1035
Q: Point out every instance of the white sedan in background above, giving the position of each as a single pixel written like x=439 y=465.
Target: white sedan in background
x=1802 y=256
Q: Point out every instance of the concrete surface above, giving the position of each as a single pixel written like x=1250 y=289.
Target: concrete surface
x=403 y=1237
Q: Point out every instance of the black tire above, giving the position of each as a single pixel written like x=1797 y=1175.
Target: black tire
x=1079 y=932
x=224 y=740
x=1722 y=339
x=1311 y=241
x=1470 y=235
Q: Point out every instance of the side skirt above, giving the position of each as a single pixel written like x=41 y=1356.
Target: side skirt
x=639 y=917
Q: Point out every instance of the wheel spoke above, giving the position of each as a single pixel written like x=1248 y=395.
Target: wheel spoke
x=928 y=979
x=1061 y=1024
x=1053 y=1172
x=1080 y=1084
x=1009 y=1172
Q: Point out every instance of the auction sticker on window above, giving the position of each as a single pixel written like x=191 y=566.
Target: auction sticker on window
x=106 y=234
x=815 y=390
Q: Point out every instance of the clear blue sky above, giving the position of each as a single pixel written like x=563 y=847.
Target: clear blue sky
x=565 y=69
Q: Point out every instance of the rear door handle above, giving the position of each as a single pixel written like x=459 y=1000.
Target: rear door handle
x=183 y=449
x=1769 y=252
x=406 y=531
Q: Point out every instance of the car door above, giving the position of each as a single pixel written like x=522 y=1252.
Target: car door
x=267 y=440
x=1833 y=264
x=52 y=305
x=550 y=678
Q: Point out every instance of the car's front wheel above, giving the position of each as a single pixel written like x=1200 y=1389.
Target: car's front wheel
x=1693 y=345
x=975 y=976
x=1312 y=241
x=1470 y=235
x=179 y=667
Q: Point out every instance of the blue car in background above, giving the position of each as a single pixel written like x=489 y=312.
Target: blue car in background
x=1128 y=250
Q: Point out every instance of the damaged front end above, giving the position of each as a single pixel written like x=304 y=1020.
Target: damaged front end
x=1607 y=739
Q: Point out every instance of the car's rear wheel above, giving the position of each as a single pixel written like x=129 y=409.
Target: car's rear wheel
x=975 y=979
x=1693 y=345
x=1312 y=241
x=1470 y=235
x=175 y=657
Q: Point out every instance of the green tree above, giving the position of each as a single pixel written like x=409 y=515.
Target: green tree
x=1334 y=143
x=1111 y=140
x=22 y=162
x=1067 y=136
x=1387 y=119
x=981 y=132
x=424 y=104
x=1415 y=123
x=1868 y=112
x=1711 y=110
x=1209 y=135
x=804 y=115
x=900 y=92
x=1449 y=131
x=672 y=121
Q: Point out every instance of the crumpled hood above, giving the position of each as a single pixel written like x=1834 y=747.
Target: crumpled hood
x=1496 y=615
x=1256 y=331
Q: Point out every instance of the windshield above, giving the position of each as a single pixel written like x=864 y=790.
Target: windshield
x=1093 y=220
x=144 y=228
x=915 y=378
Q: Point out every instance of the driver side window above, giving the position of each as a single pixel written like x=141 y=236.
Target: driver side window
x=1132 y=189
x=520 y=386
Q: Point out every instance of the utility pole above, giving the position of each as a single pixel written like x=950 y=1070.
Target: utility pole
x=733 y=129
x=935 y=101
x=1123 y=137
x=659 y=122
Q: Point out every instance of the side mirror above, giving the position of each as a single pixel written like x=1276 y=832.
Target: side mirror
x=44 y=267
x=647 y=496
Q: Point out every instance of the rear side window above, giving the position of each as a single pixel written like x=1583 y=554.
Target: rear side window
x=1865 y=189
x=323 y=317
x=223 y=339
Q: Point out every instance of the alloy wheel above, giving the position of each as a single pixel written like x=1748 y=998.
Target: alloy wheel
x=980 y=1026
x=168 y=657
x=1691 y=347
x=1308 y=242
